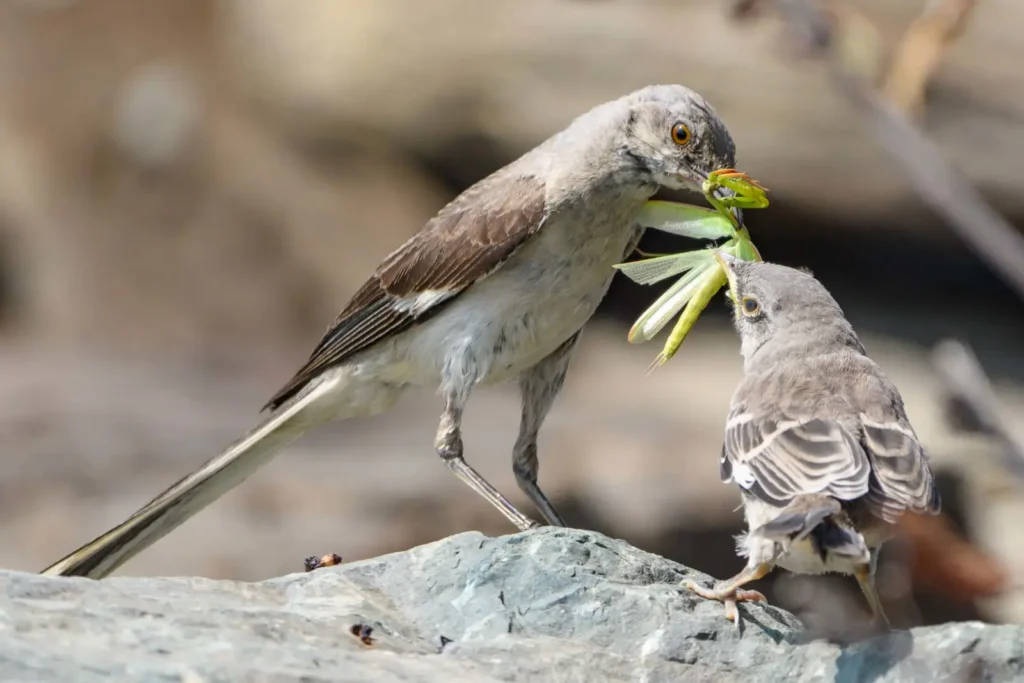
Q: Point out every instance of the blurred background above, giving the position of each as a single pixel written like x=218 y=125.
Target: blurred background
x=191 y=189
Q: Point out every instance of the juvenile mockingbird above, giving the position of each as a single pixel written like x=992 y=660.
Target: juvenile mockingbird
x=816 y=438
x=498 y=285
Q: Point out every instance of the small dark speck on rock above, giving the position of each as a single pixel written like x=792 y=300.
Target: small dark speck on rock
x=328 y=560
x=363 y=633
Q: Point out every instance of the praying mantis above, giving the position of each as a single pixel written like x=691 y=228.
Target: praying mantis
x=701 y=273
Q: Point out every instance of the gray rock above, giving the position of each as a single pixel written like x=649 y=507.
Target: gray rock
x=547 y=605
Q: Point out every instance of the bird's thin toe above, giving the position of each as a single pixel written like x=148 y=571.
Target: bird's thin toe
x=743 y=595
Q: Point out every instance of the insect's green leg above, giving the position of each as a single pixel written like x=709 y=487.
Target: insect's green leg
x=713 y=281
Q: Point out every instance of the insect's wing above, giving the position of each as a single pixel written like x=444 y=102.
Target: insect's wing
x=649 y=271
x=669 y=304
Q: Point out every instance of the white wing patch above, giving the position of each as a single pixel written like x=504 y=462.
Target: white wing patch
x=422 y=301
x=777 y=459
x=743 y=475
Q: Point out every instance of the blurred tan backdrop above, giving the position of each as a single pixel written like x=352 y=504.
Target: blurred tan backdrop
x=191 y=189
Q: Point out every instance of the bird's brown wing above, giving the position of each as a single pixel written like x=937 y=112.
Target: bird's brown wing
x=778 y=457
x=467 y=240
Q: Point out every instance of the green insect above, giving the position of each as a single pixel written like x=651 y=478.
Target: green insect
x=701 y=274
x=748 y=193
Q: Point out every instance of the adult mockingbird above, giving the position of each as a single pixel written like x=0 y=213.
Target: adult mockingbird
x=817 y=438
x=498 y=285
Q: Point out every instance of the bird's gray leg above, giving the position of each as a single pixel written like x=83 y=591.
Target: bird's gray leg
x=865 y=575
x=539 y=386
x=448 y=444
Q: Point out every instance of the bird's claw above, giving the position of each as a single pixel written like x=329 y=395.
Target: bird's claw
x=730 y=597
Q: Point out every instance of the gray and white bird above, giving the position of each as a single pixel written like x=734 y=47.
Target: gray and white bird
x=817 y=438
x=497 y=286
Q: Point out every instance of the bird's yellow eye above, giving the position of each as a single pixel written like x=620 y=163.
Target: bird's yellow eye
x=750 y=306
x=681 y=134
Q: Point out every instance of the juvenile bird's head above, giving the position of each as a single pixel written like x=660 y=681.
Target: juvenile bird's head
x=782 y=307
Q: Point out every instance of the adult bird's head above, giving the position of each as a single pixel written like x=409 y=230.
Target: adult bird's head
x=674 y=137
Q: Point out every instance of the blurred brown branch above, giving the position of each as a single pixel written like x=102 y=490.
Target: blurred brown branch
x=914 y=60
x=972 y=405
x=941 y=186
x=918 y=54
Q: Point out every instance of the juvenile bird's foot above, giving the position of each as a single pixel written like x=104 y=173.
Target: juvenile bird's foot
x=727 y=595
x=731 y=591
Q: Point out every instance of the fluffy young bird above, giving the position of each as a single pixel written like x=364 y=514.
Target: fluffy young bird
x=817 y=438
x=497 y=286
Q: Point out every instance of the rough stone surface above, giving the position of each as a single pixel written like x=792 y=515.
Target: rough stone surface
x=551 y=605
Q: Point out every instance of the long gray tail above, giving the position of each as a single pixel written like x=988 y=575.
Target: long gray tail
x=173 y=507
